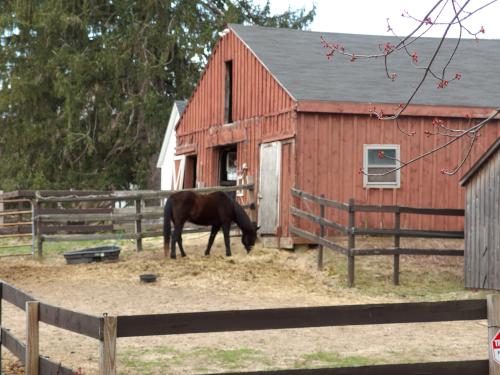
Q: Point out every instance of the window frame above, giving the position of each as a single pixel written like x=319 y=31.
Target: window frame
x=381 y=185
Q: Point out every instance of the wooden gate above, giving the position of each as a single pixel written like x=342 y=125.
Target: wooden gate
x=16 y=227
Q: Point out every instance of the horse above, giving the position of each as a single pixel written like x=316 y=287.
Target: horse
x=217 y=209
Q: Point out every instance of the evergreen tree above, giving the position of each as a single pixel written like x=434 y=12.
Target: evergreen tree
x=86 y=86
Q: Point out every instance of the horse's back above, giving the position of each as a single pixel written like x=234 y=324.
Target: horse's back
x=214 y=208
x=182 y=203
x=204 y=209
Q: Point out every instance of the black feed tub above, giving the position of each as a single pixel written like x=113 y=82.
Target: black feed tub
x=94 y=254
x=147 y=278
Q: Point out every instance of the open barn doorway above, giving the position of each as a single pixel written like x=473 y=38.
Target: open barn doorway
x=190 y=172
x=228 y=166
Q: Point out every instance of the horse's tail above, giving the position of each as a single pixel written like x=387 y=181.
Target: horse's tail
x=167 y=217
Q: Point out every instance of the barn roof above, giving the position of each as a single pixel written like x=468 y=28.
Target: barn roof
x=298 y=62
x=180 y=104
x=175 y=114
x=480 y=162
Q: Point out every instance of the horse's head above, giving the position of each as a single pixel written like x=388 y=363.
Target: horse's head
x=249 y=237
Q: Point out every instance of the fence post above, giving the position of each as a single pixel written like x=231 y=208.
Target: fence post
x=397 y=227
x=321 y=233
x=38 y=228
x=138 y=225
x=32 y=338
x=493 y=303
x=107 y=347
x=2 y=208
x=33 y=227
x=251 y=199
x=351 y=244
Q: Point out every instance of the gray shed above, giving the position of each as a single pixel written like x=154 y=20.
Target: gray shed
x=482 y=221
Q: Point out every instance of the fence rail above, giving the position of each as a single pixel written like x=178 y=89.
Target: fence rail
x=61 y=223
x=477 y=367
x=352 y=231
x=107 y=329
x=55 y=316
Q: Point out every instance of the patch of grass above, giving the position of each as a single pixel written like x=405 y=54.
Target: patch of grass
x=219 y=358
x=205 y=359
x=15 y=245
x=233 y=358
x=146 y=361
x=332 y=359
x=57 y=248
x=429 y=278
x=160 y=359
x=10 y=245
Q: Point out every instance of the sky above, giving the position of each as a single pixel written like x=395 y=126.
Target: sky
x=370 y=16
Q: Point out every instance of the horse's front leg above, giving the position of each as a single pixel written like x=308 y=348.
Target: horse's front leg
x=213 y=233
x=225 y=230
x=175 y=238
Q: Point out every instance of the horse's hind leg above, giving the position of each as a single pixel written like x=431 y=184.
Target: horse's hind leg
x=172 y=247
x=183 y=254
x=166 y=246
x=227 y=242
x=175 y=238
x=213 y=233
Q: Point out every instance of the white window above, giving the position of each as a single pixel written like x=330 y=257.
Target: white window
x=377 y=160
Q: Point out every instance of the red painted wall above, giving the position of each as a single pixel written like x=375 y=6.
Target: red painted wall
x=330 y=155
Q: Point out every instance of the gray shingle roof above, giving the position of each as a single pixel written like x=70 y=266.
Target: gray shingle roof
x=181 y=104
x=297 y=60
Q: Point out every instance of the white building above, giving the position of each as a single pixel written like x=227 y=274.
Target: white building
x=170 y=178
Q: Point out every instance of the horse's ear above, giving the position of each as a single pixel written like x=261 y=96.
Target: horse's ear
x=254 y=224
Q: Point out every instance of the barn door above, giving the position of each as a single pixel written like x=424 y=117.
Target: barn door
x=178 y=176
x=269 y=183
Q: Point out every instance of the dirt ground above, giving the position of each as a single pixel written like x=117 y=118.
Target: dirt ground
x=265 y=278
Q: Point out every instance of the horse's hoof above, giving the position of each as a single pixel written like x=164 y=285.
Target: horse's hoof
x=173 y=257
x=183 y=255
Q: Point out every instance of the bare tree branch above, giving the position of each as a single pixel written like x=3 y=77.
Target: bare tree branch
x=431 y=19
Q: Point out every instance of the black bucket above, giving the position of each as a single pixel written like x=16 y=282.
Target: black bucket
x=94 y=254
x=147 y=278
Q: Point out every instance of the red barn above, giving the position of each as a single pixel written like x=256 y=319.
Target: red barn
x=270 y=100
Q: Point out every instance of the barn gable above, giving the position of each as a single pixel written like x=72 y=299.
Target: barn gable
x=255 y=91
x=261 y=111
x=166 y=160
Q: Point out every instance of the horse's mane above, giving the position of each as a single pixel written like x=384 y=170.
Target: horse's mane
x=242 y=219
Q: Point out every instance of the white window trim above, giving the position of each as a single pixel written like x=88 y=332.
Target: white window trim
x=381 y=185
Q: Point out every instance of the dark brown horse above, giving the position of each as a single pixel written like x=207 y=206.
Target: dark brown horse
x=217 y=209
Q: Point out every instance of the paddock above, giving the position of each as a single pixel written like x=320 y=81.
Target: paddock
x=266 y=278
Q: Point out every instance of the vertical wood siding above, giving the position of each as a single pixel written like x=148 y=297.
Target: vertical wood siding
x=482 y=227
x=330 y=155
x=262 y=112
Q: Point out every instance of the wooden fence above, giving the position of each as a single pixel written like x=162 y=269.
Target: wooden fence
x=107 y=329
x=16 y=221
x=57 y=224
x=351 y=231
